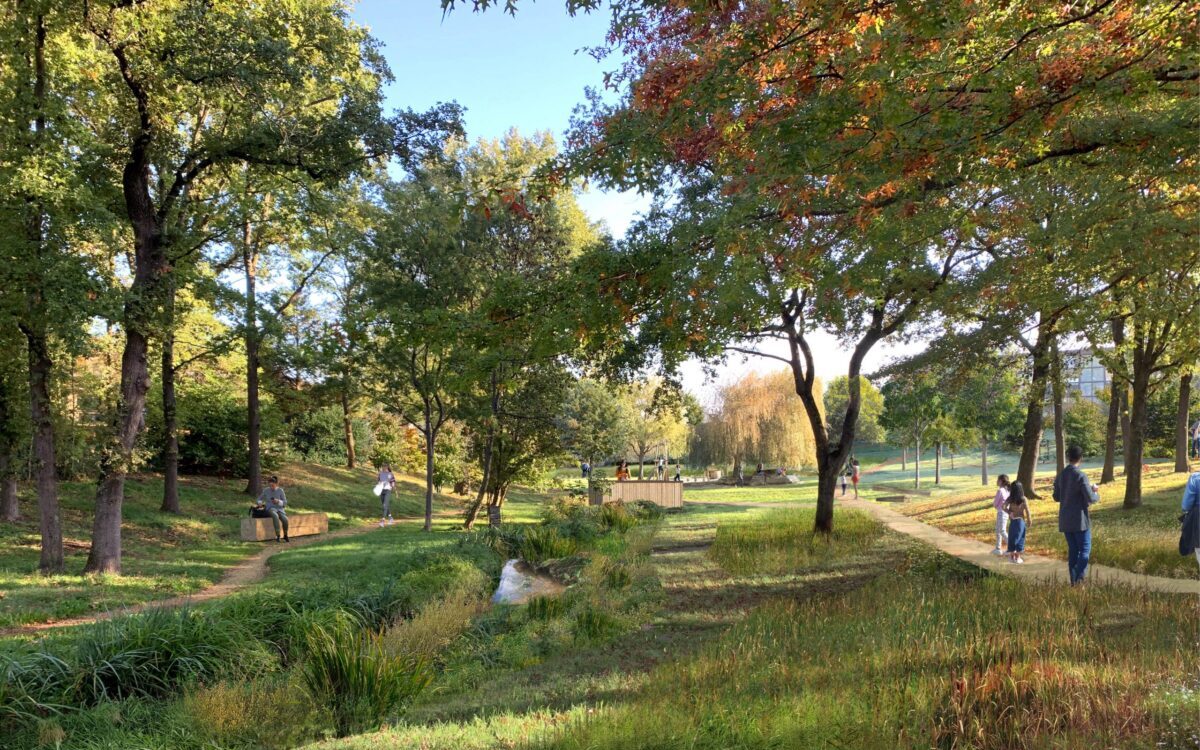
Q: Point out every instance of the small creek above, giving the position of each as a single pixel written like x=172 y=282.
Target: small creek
x=519 y=583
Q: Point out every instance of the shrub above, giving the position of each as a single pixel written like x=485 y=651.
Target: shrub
x=153 y=654
x=350 y=673
x=1086 y=424
x=260 y=713
x=615 y=517
x=319 y=436
x=546 y=543
x=426 y=635
x=31 y=686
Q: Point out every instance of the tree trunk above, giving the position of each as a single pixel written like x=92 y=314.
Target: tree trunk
x=34 y=328
x=937 y=464
x=1181 y=423
x=917 y=464
x=983 y=444
x=827 y=477
x=641 y=464
x=10 y=507
x=51 y=560
x=253 y=414
x=904 y=458
x=473 y=511
x=348 y=425
x=430 y=436
x=1110 y=434
x=170 y=501
x=1056 y=385
x=1137 y=433
x=1034 y=417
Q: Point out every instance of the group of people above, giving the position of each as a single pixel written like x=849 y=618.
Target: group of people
x=852 y=474
x=1073 y=492
x=623 y=475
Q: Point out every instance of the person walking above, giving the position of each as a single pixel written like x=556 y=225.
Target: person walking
x=854 y=474
x=585 y=469
x=661 y=468
x=386 y=485
x=1196 y=439
x=275 y=501
x=845 y=478
x=1074 y=494
x=1191 y=517
x=998 y=503
x=1019 y=520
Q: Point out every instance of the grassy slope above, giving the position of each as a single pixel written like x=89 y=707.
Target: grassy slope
x=874 y=642
x=1144 y=539
x=166 y=555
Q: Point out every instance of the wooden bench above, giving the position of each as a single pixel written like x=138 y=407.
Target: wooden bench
x=300 y=524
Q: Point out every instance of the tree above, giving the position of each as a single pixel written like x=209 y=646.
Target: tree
x=594 y=425
x=912 y=405
x=757 y=418
x=655 y=422
x=870 y=410
x=178 y=102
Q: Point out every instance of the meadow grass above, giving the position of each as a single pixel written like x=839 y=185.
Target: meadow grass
x=950 y=660
x=1143 y=539
x=784 y=541
x=165 y=555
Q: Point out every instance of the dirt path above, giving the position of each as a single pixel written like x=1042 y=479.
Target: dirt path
x=247 y=572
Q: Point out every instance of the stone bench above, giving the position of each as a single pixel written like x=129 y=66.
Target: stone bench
x=299 y=524
x=892 y=498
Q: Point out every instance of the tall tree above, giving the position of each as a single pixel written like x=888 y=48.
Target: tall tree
x=837 y=397
x=179 y=101
x=1182 y=422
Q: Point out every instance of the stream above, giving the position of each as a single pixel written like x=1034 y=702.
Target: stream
x=519 y=583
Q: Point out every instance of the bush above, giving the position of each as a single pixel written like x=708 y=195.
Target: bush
x=260 y=713
x=350 y=673
x=427 y=634
x=153 y=654
x=319 y=436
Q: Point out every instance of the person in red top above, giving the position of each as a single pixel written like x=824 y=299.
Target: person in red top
x=854 y=475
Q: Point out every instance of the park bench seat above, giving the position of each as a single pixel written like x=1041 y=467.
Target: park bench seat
x=299 y=524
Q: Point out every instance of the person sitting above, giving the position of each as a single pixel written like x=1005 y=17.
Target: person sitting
x=275 y=500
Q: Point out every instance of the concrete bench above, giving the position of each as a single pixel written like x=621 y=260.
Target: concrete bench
x=299 y=524
x=892 y=498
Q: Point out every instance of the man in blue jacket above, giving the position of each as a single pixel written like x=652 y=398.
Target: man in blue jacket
x=1191 y=497
x=1073 y=493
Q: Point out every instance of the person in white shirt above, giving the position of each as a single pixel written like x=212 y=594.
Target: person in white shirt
x=1001 y=517
x=387 y=483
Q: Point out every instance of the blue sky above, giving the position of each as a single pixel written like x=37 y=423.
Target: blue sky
x=527 y=71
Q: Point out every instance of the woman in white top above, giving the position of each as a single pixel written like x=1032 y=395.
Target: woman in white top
x=1001 y=517
x=387 y=481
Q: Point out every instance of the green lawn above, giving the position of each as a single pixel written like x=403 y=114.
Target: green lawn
x=166 y=555
x=1143 y=539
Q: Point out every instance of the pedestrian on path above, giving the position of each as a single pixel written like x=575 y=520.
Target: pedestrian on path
x=275 y=500
x=385 y=486
x=854 y=475
x=1191 y=517
x=998 y=503
x=1074 y=494
x=845 y=476
x=1019 y=521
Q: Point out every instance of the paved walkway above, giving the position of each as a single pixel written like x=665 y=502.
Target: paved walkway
x=1036 y=568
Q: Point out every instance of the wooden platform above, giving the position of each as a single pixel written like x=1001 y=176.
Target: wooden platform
x=666 y=494
x=299 y=524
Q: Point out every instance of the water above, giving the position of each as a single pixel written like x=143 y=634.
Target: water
x=519 y=583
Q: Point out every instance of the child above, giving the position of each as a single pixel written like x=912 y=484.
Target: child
x=1018 y=514
x=1001 y=517
x=854 y=476
x=845 y=476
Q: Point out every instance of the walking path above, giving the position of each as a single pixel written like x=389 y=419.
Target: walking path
x=249 y=571
x=1037 y=569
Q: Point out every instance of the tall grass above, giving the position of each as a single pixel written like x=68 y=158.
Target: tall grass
x=782 y=541
x=352 y=674
x=914 y=662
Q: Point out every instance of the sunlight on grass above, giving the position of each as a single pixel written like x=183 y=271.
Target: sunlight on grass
x=783 y=541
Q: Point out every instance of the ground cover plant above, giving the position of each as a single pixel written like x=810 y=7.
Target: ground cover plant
x=359 y=626
x=1143 y=539
x=165 y=554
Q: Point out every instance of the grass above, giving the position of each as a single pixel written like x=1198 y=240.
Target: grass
x=1143 y=539
x=165 y=555
x=783 y=540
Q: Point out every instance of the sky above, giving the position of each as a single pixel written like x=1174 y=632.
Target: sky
x=529 y=72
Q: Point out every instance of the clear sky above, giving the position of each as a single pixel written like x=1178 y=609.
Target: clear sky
x=527 y=72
